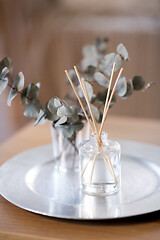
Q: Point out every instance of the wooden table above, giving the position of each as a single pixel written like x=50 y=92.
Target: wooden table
x=16 y=223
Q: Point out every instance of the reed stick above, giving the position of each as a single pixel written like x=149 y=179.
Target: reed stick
x=94 y=162
x=89 y=106
x=75 y=91
x=106 y=102
x=110 y=167
x=84 y=169
x=110 y=99
x=83 y=86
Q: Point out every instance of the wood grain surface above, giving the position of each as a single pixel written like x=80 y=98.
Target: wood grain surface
x=16 y=223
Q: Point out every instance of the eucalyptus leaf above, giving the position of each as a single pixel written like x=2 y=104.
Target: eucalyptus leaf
x=122 y=51
x=101 y=79
x=86 y=62
x=101 y=97
x=53 y=104
x=24 y=99
x=101 y=44
x=129 y=90
x=106 y=64
x=89 y=89
x=52 y=116
x=74 y=109
x=18 y=85
x=113 y=101
x=62 y=120
x=3 y=84
x=89 y=73
x=19 y=81
x=64 y=110
x=96 y=112
x=38 y=84
x=74 y=118
x=61 y=111
x=40 y=118
x=121 y=86
x=3 y=79
x=12 y=94
x=138 y=83
x=73 y=77
x=6 y=62
x=57 y=102
x=148 y=85
x=32 y=91
x=69 y=129
x=4 y=72
x=89 y=51
x=90 y=57
x=33 y=109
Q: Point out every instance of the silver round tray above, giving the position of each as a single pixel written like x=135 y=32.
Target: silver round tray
x=30 y=181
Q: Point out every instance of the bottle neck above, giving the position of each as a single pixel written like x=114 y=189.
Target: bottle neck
x=102 y=140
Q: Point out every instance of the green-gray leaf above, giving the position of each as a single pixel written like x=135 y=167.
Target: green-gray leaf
x=148 y=85
x=122 y=51
x=101 y=97
x=73 y=77
x=53 y=104
x=30 y=93
x=6 y=62
x=89 y=89
x=106 y=64
x=138 y=82
x=3 y=79
x=17 y=86
x=40 y=118
x=129 y=90
x=19 y=81
x=62 y=120
x=89 y=73
x=89 y=51
x=101 y=79
x=101 y=44
x=24 y=96
x=61 y=111
x=90 y=57
x=33 y=91
x=33 y=109
x=50 y=115
x=57 y=102
x=121 y=87
x=3 y=84
x=4 y=72
x=73 y=118
x=113 y=101
x=12 y=94
x=96 y=112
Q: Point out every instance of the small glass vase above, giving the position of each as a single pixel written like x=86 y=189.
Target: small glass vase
x=100 y=168
x=65 y=147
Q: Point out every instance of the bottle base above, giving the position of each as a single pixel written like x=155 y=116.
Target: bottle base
x=100 y=189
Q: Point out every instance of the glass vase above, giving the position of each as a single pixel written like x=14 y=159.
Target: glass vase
x=65 y=142
x=100 y=168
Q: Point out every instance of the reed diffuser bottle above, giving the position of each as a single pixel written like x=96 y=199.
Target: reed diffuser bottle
x=99 y=157
x=100 y=169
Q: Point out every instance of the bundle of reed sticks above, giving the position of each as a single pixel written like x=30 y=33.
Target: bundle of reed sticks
x=93 y=125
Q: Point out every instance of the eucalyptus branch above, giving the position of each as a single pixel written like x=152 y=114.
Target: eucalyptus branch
x=95 y=67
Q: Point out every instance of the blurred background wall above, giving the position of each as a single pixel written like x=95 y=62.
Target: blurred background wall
x=45 y=37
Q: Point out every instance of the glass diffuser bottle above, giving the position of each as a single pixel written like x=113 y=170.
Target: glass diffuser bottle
x=100 y=169
x=99 y=157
